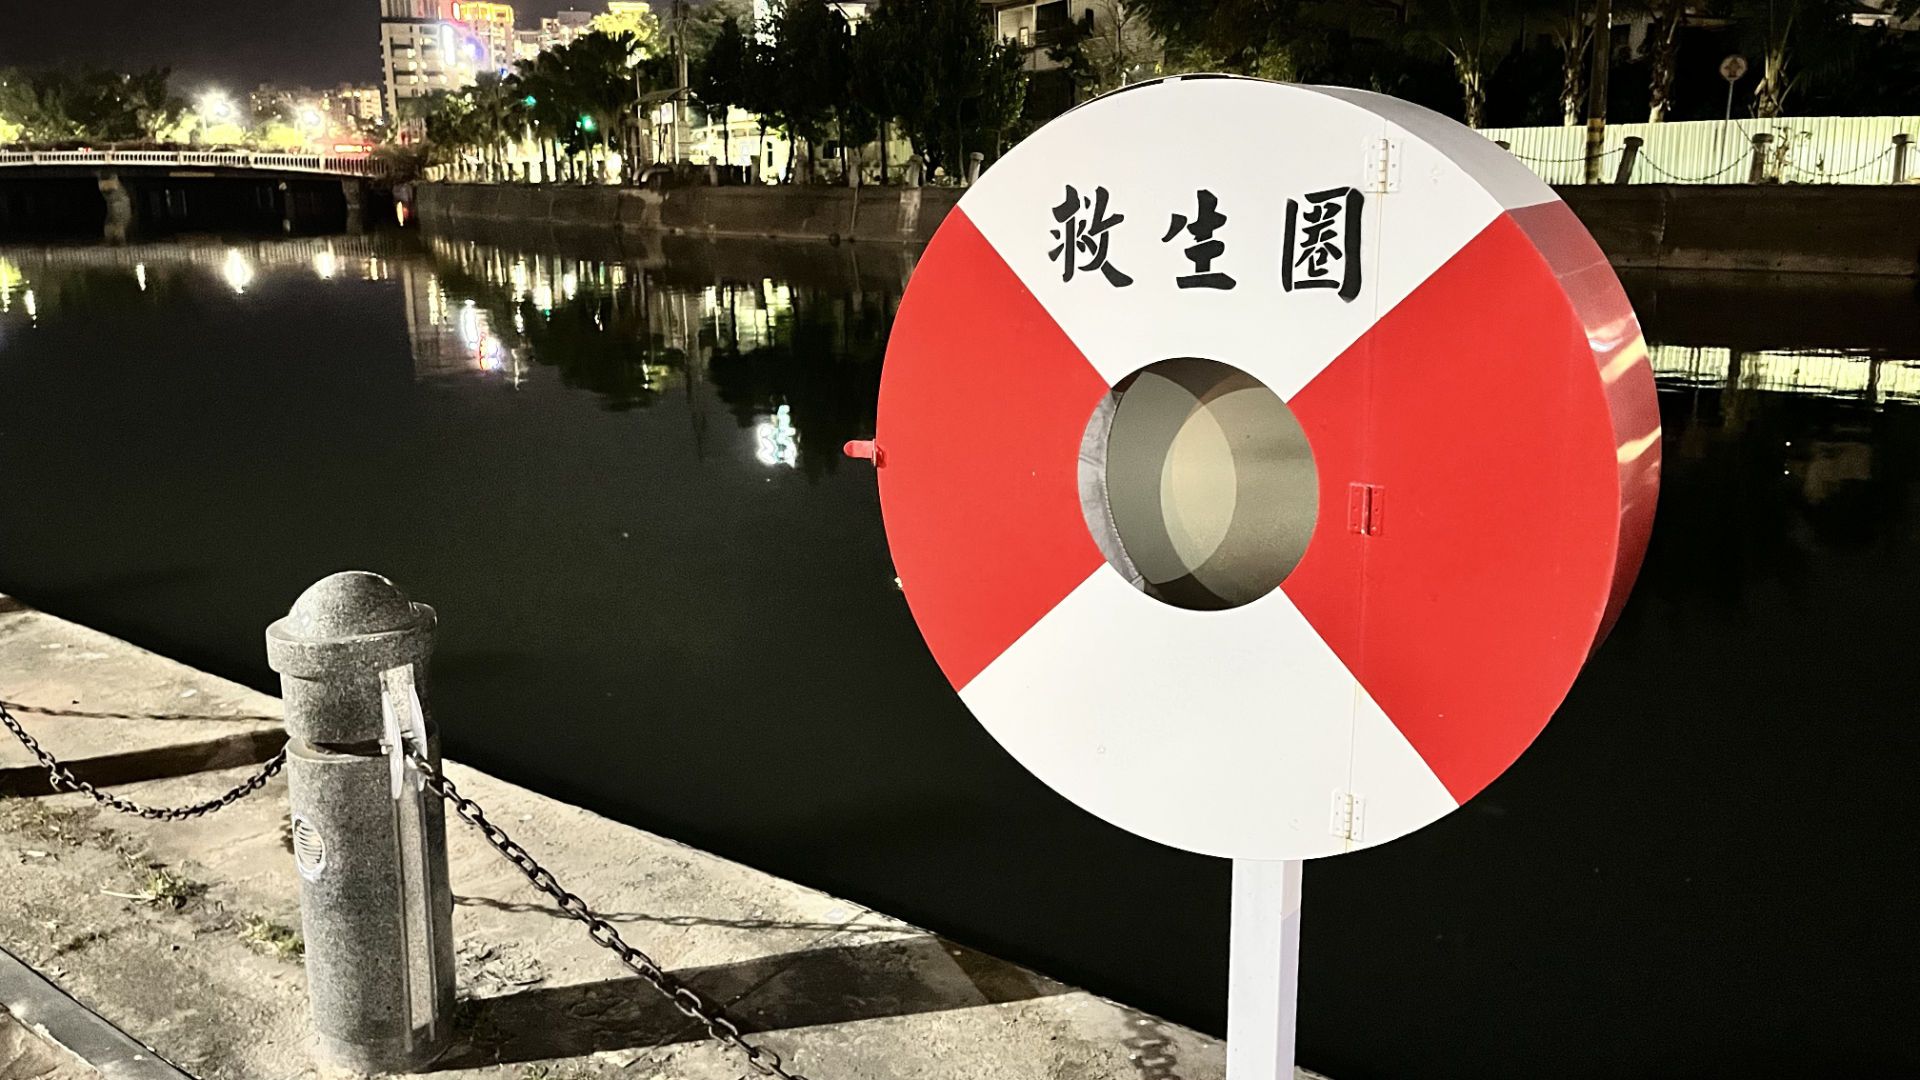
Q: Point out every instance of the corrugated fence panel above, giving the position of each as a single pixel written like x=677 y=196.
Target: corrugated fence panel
x=1802 y=150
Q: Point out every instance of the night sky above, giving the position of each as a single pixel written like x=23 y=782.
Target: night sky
x=236 y=44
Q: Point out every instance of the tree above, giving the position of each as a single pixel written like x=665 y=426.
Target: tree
x=156 y=109
x=950 y=82
x=869 y=109
x=809 y=47
x=51 y=105
x=586 y=95
x=642 y=26
x=1112 y=45
x=1569 y=23
x=700 y=25
x=720 y=76
x=1474 y=34
x=1665 y=18
x=1794 y=39
x=1249 y=37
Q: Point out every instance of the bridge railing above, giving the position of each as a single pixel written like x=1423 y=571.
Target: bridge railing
x=330 y=164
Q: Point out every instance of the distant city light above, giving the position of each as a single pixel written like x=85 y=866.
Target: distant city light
x=324 y=264
x=140 y=275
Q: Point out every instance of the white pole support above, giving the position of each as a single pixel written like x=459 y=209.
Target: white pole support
x=1263 y=969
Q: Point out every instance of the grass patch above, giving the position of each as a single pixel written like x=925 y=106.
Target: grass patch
x=273 y=938
x=43 y=821
x=162 y=888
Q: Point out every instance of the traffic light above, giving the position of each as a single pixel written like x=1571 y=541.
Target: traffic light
x=587 y=122
x=530 y=101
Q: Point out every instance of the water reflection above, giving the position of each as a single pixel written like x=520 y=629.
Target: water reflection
x=797 y=364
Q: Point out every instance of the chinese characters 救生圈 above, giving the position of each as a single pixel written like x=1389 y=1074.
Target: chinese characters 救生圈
x=1087 y=238
x=1322 y=249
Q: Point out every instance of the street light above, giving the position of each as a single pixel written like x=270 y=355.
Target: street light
x=216 y=106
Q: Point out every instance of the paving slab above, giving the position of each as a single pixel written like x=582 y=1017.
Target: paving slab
x=184 y=934
x=149 y=716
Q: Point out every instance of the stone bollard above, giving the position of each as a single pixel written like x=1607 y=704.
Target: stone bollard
x=369 y=845
x=1758 y=173
x=1629 y=154
x=1902 y=143
x=975 y=161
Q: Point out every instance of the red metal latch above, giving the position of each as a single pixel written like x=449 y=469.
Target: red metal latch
x=1366 y=509
x=865 y=448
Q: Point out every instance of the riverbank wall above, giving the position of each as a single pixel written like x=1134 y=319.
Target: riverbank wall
x=1790 y=228
x=881 y=214
x=1825 y=229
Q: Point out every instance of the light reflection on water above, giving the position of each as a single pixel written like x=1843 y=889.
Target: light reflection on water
x=667 y=596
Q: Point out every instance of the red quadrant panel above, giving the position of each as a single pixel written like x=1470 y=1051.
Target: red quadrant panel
x=1485 y=582
x=981 y=417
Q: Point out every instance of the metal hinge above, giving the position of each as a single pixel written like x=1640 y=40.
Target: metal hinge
x=1349 y=815
x=1366 y=509
x=1383 y=165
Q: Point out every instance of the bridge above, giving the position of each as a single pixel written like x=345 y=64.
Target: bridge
x=138 y=192
x=198 y=160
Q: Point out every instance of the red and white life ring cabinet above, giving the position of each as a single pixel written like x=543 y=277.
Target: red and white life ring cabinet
x=1473 y=390
x=1261 y=463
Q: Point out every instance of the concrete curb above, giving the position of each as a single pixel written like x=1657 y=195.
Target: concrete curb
x=49 y=1012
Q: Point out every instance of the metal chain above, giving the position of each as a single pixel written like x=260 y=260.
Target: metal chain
x=1822 y=173
x=684 y=998
x=1648 y=161
x=63 y=779
x=1602 y=156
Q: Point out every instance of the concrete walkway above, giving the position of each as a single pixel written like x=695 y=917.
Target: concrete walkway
x=184 y=935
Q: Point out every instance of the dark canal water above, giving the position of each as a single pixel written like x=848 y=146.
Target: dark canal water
x=666 y=596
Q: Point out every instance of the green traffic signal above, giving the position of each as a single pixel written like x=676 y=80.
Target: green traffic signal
x=530 y=100
x=586 y=122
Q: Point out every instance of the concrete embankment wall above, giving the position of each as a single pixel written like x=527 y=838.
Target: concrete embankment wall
x=900 y=215
x=1831 y=229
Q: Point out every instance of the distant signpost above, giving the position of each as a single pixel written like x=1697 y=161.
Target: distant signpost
x=1731 y=69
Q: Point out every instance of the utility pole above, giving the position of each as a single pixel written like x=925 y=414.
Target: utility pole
x=1597 y=86
x=681 y=117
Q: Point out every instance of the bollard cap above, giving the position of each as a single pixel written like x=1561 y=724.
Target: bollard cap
x=350 y=625
x=349 y=603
